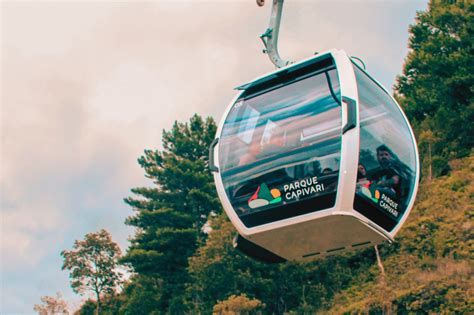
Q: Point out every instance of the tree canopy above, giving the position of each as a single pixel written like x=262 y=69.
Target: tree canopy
x=93 y=265
x=169 y=216
x=436 y=87
x=52 y=305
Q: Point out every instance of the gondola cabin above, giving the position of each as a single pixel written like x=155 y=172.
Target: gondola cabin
x=314 y=159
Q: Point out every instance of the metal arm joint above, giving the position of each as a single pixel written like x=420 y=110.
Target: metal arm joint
x=270 y=37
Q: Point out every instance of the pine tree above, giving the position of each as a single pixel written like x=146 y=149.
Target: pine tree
x=170 y=215
x=437 y=85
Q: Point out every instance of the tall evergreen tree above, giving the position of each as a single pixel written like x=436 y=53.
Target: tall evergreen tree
x=437 y=85
x=170 y=215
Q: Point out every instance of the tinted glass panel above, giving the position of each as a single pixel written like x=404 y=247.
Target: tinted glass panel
x=279 y=151
x=386 y=170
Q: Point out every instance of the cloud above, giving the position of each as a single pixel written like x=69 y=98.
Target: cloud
x=25 y=234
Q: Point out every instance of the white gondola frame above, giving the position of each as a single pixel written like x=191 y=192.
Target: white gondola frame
x=350 y=141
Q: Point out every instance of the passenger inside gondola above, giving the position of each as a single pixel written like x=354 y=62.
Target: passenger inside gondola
x=386 y=177
x=363 y=183
x=390 y=180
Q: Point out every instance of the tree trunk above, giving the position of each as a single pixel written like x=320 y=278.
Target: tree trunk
x=430 y=167
x=99 y=304
x=384 y=290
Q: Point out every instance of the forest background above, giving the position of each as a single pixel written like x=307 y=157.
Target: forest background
x=175 y=265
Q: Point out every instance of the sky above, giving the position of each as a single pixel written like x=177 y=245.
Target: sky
x=87 y=86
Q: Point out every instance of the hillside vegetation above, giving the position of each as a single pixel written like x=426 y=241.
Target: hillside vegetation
x=429 y=269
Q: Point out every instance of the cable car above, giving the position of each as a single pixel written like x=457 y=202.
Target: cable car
x=314 y=159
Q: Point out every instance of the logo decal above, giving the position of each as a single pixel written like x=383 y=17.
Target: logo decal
x=383 y=201
x=377 y=195
x=374 y=195
x=263 y=197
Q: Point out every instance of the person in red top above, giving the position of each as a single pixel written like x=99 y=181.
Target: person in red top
x=362 y=180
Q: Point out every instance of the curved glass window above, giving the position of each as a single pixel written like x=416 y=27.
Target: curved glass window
x=387 y=162
x=279 y=151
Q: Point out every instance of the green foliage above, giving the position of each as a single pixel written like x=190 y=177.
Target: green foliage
x=93 y=265
x=238 y=305
x=143 y=295
x=436 y=88
x=89 y=307
x=169 y=216
x=440 y=297
x=110 y=306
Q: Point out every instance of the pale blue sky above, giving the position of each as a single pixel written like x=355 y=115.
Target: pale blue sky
x=87 y=86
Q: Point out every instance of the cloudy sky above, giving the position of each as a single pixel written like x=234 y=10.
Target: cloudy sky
x=87 y=86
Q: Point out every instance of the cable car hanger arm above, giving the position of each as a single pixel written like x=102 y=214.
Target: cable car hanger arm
x=270 y=37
